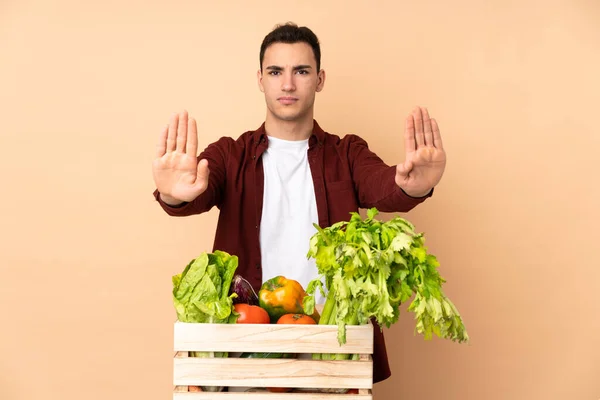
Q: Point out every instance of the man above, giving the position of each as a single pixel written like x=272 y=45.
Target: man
x=273 y=183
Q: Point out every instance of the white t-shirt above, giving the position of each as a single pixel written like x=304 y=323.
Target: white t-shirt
x=288 y=213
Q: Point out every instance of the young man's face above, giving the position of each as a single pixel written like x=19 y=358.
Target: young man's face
x=289 y=79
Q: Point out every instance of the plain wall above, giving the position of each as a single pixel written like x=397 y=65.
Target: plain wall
x=87 y=255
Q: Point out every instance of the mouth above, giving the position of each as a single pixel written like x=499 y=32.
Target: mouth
x=287 y=100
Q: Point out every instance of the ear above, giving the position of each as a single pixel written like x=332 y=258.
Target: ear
x=320 y=80
x=259 y=77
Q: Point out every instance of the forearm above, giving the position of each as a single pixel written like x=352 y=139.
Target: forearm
x=380 y=190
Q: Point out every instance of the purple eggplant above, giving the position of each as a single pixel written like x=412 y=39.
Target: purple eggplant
x=243 y=289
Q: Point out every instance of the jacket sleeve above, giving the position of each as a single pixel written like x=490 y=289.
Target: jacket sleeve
x=217 y=156
x=375 y=180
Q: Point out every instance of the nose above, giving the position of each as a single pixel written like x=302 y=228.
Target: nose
x=287 y=84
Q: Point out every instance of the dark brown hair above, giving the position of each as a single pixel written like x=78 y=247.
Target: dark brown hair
x=291 y=33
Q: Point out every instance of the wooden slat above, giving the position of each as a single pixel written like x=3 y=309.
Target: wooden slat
x=269 y=396
x=272 y=373
x=271 y=337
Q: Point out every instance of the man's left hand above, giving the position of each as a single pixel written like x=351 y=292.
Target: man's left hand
x=425 y=159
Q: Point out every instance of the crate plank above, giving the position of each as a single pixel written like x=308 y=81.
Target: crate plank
x=272 y=373
x=271 y=337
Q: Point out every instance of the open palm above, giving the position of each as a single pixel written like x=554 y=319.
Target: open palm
x=178 y=175
x=425 y=159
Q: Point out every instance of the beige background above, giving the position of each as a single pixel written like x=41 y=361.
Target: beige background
x=87 y=255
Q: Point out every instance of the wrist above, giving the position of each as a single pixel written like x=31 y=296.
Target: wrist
x=417 y=195
x=171 y=201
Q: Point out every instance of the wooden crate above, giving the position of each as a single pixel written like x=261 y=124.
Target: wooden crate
x=302 y=373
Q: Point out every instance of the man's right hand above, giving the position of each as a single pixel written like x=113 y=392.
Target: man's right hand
x=178 y=175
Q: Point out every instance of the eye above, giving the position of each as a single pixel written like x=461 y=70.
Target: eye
x=274 y=72
x=302 y=72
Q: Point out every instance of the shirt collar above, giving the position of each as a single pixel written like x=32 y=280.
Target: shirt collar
x=317 y=137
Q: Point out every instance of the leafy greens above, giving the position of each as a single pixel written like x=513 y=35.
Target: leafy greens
x=201 y=292
x=370 y=268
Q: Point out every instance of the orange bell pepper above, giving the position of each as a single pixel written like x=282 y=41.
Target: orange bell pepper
x=280 y=296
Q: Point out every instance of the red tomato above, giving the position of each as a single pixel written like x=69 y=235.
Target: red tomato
x=251 y=314
x=301 y=319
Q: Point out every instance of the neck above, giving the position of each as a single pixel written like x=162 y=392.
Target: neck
x=289 y=130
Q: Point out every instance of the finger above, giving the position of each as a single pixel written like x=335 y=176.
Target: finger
x=161 y=147
x=437 y=137
x=182 y=131
x=191 y=147
x=420 y=139
x=409 y=134
x=427 y=128
x=172 y=135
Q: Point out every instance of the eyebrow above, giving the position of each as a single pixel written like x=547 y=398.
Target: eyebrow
x=296 y=67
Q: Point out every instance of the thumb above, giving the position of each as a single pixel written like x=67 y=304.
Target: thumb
x=402 y=170
x=202 y=174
